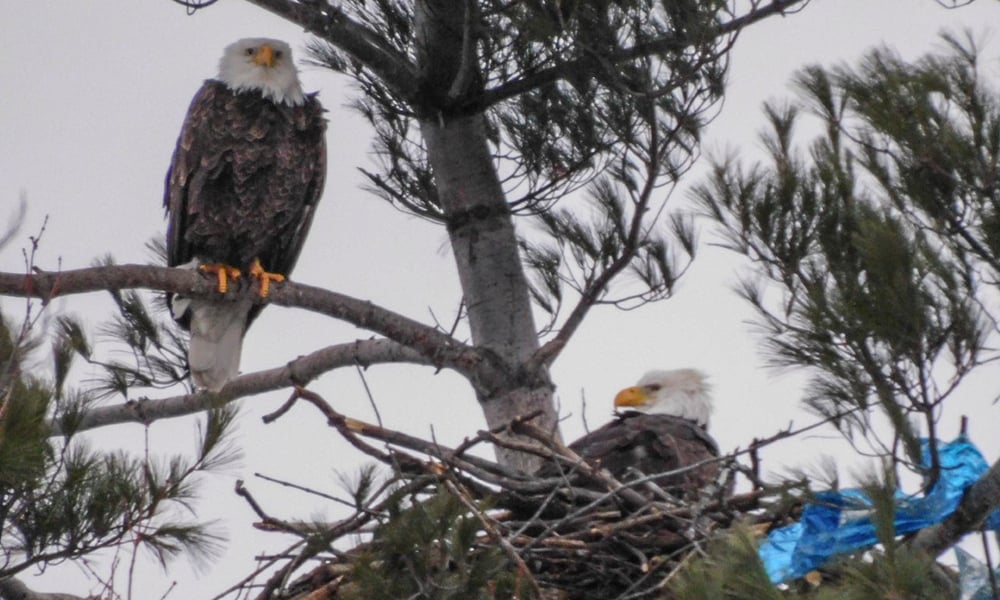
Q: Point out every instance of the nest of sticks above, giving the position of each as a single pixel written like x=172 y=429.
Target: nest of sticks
x=578 y=535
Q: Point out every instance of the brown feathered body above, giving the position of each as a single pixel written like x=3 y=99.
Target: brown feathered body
x=244 y=181
x=636 y=444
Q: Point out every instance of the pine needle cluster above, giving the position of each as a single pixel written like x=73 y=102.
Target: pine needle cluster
x=61 y=498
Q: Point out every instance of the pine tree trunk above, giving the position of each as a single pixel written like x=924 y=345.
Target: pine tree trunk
x=489 y=267
x=480 y=226
x=482 y=238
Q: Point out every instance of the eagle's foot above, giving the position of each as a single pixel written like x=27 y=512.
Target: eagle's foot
x=264 y=277
x=224 y=273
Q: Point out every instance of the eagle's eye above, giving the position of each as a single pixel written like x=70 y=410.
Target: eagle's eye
x=654 y=387
x=278 y=53
x=248 y=51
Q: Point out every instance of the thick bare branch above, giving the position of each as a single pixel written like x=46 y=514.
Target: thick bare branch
x=436 y=347
x=331 y=24
x=12 y=588
x=979 y=501
x=297 y=372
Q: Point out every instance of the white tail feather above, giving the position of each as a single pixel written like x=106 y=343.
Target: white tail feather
x=217 y=330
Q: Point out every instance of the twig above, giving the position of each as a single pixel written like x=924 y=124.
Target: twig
x=243 y=583
x=284 y=408
x=268 y=523
x=490 y=527
x=305 y=489
x=368 y=393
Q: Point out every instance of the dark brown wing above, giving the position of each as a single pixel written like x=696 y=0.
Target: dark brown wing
x=179 y=199
x=244 y=180
x=303 y=159
x=637 y=443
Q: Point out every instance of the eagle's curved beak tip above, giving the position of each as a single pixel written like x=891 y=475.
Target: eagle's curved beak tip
x=632 y=396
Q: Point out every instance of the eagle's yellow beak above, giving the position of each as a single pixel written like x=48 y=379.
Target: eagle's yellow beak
x=633 y=396
x=264 y=56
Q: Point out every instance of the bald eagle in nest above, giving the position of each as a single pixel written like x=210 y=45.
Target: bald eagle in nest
x=241 y=192
x=661 y=425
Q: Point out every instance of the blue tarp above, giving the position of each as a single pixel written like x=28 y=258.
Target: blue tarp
x=840 y=521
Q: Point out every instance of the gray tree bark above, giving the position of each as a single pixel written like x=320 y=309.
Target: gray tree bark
x=489 y=268
x=979 y=501
x=480 y=226
x=15 y=589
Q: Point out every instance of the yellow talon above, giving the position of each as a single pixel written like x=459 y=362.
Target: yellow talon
x=264 y=277
x=224 y=272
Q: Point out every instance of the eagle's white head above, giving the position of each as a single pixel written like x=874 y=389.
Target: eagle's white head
x=680 y=393
x=262 y=64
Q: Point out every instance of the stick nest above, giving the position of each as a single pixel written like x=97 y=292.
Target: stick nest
x=449 y=523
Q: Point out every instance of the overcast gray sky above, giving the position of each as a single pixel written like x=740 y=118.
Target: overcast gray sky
x=93 y=95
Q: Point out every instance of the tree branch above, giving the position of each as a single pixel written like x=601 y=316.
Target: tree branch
x=297 y=372
x=592 y=293
x=436 y=347
x=330 y=23
x=15 y=589
x=467 y=65
x=979 y=501
x=544 y=76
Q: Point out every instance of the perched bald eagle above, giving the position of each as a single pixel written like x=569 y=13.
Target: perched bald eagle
x=241 y=192
x=661 y=426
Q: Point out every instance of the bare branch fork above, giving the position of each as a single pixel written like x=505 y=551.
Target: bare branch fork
x=435 y=347
x=297 y=372
x=408 y=340
x=590 y=295
x=47 y=285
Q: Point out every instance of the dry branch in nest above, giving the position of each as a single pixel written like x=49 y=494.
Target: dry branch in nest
x=448 y=518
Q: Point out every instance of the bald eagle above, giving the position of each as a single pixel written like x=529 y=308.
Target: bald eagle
x=661 y=425
x=241 y=192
